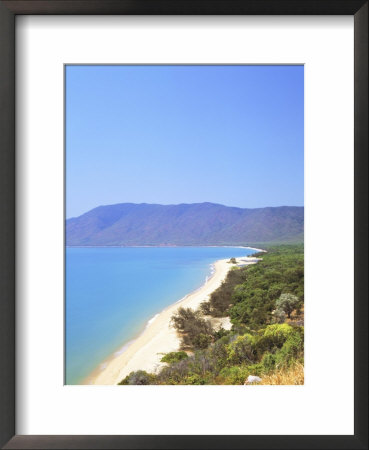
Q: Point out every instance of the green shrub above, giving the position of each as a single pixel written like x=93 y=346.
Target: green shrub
x=221 y=333
x=201 y=340
x=174 y=373
x=242 y=350
x=273 y=337
x=234 y=374
x=140 y=377
x=268 y=362
x=174 y=357
x=201 y=362
x=256 y=369
x=292 y=349
x=218 y=353
x=240 y=328
x=197 y=379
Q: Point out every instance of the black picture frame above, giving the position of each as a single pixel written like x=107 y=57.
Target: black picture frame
x=8 y=11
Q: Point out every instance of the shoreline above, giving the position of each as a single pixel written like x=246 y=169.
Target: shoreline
x=158 y=337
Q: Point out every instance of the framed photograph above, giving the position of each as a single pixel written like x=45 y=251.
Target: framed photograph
x=184 y=224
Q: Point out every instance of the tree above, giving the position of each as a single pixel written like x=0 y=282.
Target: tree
x=205 y=308
x=279 y=316
x=196 y=331
x=183 y=316
x=287 y=303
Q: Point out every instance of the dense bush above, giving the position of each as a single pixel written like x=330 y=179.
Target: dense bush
x=139 y=377
x=256 y=297
x=287 y=354
x=175 y=373
x=273 y=337
x=242 y=350
x=292 y=350
x=268 y=362
x=234 y=375
x=253 y=306
x=230 y=359
x=173 y=357
x=201 y=340
x=222 y=298
x=275 y=283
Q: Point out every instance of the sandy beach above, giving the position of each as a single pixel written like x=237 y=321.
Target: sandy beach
x=145 y=352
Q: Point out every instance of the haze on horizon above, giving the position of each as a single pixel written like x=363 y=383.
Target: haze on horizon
x=231 y=135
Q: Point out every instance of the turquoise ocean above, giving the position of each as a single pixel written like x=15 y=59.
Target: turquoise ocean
x=112 y=293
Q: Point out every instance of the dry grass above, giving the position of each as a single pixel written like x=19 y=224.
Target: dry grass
x=292 y=376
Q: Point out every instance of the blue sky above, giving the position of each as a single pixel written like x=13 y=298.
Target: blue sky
x=184 y=134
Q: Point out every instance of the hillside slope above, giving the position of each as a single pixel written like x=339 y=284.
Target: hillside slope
x=129 y=224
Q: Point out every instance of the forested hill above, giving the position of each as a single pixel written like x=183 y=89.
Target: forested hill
x=129 y=224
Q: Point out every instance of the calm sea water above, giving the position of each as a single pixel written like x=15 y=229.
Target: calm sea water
x=111 y=294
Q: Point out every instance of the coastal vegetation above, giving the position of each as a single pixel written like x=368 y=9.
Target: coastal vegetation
x=173 y=357
x=265 y=303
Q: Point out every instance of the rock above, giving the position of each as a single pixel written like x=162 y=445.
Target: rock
x=252 y=379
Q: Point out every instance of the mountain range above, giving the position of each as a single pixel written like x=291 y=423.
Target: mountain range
x=130 y=224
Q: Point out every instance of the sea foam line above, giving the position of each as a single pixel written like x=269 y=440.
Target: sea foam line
x=152 y=320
